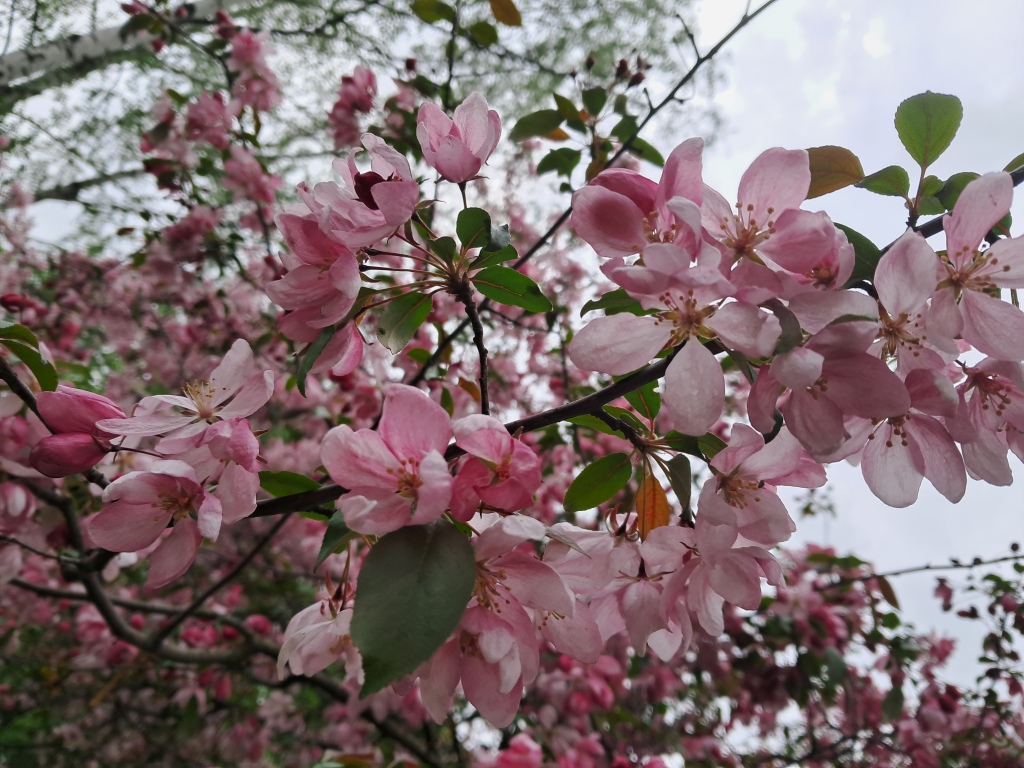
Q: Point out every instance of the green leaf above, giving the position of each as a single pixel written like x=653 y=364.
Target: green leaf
x=598 y=482
x=836 y=665
x=930 y=206
x=645 y=151
x=626 y=128
x=23 y=344
x=539 y=123
x=892 y=704
x=490 y=258
x=1017 y=162
x=627 y=416
x=887 y=592
x=447 y=401
x=792 y=333
x=507 y=286
x=645 y=400
x=892 y=181
x=286 y=483
x=413 y=590
x=568 y=110
x=680 y=477
x=594 y=99
x=866 y=254
x=592 y=422
x=505 y=12
x=710 y=445
x=401 y=318
x=953 y=187
x=832 y=168
x=484 y=33
x=336 y=536
x=614 y=302
x=930 y=186
x=444 y=247
x=927 y=123
x=561 y=160
x=432 y=11
x=310 y=356
x=473 y=227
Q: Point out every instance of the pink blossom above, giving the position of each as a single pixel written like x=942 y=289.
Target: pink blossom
x=398 y=475
x=246 y=178
x=209 y=121
x=235 y=389
x=370 y=205
x=140 y=505
x=620 y=212
x=315 y=638
x=501 y=472
x=457 y=148
x=356 y=96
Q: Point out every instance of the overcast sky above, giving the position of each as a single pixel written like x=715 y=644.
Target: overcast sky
x=814 y=72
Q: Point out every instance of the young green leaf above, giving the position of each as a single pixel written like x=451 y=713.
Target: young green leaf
x=927 y=123
x=336 y=536
x=561 y=160
x=483 y=33
x=286 y=483
x=892 y=181
x=645 y=151
x=680 y=477
x=401 y=318
x=645 y=400
x=507 y=286
x=598 y=482
x=866 y=254
x=592 y=422
x=954 y=185
x=413 y=590
x=310 y=356
x=539 y=123
x=473 y=227
x=614 y=302
x=490 y=258
x=594 y=99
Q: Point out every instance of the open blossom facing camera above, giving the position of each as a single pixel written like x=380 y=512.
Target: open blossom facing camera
x=397 y=475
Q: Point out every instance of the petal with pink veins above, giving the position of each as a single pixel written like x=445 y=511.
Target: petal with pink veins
x=943 y=464
x=979 y=208
x=694 y=391
x=893 y=467
x=747 y=328
x=359 y=459
x=994 y=327
x=619 y=343
x=611 y=223
x=174 y=555
x=412 y=424
x=907 y=275
x=126 y=527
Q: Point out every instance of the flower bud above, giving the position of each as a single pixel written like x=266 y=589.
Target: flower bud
x=66 y=454
x=75 y=410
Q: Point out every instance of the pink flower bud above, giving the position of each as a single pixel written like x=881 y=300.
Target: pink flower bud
x=66 y=454
x=259 y=624
x=75 y=410
x=458 y=148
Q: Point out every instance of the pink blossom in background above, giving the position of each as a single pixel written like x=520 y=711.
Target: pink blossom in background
x=458 y=146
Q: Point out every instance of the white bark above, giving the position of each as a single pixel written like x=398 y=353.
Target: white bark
x=81 y=48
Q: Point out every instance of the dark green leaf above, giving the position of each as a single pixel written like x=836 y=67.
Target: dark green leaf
x=835 y=664
x=447 y=401
x=592 y=422
x=286 y=483
x=645 y=151
x=598 y=482
x=626 y=128
x=310 y=356
x=432 y=11
x=568 y=110
x=677 y=441
x=626 y=416
x=561 y=160
x=792 y=334
x=401 y=318
x=645 y=400
x=1017 y=162
x=680 y=477
x=614 y=302
x=927 y=123
x=473 y=227
x=539 y=123
x=953 y=187
x=444 y=247
x=892 y=181
x=710 y=444
x=336 y=536
x=892 y=704
x=930 y=186
x=507 y=286
x=594 y=99
x=866 y=254
x=413 y=590
x=490 y=258
x=484 y=33
x=23 y=344
x=930 y=206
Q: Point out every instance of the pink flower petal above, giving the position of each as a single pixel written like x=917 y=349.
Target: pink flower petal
x=174 y=555
x=694 y=390
x=618 y=344
x=412 y=424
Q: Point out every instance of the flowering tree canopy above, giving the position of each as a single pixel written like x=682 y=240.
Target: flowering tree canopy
x=463 y=473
